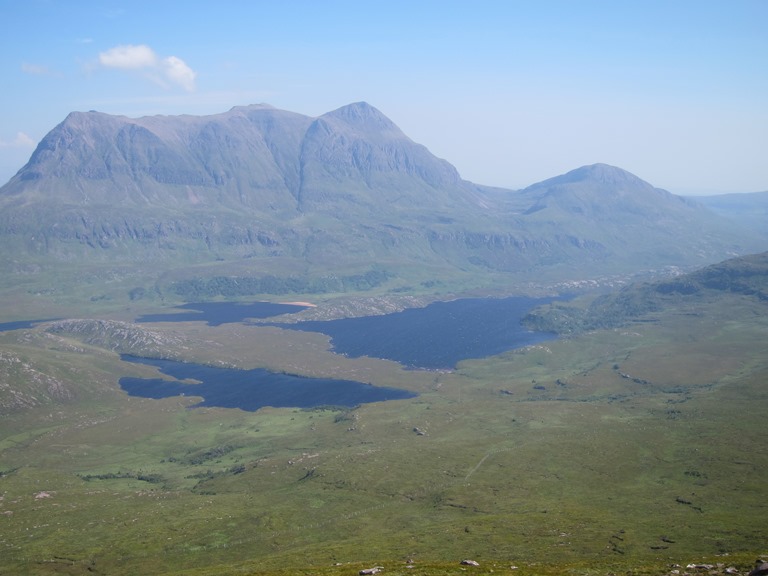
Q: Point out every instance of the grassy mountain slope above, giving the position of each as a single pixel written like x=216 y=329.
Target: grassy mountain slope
x=619 y=449
x=626 y=215
x=643 y=302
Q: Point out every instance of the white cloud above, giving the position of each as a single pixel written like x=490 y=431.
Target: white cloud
x=129 y=57
x=171 y=69
x=176 y=70
x=22 y=140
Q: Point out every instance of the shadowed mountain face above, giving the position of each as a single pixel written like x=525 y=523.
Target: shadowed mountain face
x=357 y=155
x=342 y=191
x=253 y=157
x=247 y=157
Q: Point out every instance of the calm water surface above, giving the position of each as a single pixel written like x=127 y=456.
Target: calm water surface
x=253 y=389
x=218 y=313
x=437 y=336
x=21 y=324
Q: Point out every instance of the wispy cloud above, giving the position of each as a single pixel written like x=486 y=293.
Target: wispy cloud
x=170 y=70
x=35 y=69
x=176 y=70
x=22 y=140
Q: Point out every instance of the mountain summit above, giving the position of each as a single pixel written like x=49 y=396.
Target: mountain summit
x=600 y=188
x=366 y=119
x=356 y=149
x=602 y=173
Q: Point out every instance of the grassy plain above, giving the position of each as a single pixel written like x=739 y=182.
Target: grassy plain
x=622 y=450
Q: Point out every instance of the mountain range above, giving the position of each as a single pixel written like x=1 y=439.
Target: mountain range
x=258 y=191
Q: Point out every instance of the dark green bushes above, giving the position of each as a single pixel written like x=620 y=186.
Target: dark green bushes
x=235 y=286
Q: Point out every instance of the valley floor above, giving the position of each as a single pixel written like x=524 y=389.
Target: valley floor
x=625 y=450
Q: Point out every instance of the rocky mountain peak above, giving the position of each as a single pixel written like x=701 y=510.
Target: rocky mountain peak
x=251 y=107
x=597 y=174
x=363 y=118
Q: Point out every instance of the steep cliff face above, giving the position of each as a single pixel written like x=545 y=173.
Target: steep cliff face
x=255 y=157
x=357 y=153
x=247 y=157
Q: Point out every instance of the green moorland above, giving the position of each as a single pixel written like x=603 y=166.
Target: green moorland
x=618 y=449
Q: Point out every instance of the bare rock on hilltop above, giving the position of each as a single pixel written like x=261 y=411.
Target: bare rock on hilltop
x=121 y=337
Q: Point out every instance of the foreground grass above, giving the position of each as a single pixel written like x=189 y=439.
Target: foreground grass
x=625 y=450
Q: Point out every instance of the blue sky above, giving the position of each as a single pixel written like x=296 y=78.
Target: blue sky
x=510 y=92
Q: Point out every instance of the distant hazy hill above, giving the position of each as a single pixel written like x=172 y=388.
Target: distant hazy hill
x=269 y=191
x=601 y=192
x=750 y=209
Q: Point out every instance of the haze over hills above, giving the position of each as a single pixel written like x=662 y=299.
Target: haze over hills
x=751 y=209
x=259 y=191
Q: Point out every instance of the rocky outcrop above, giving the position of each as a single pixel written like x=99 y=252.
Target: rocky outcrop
x=122 y=337
x=25 y=385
